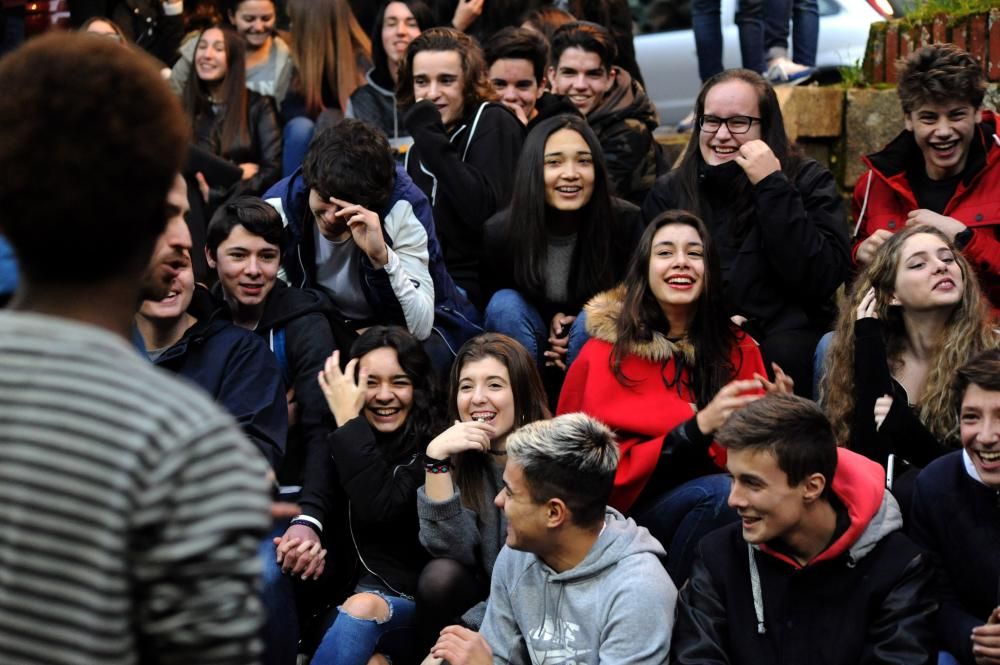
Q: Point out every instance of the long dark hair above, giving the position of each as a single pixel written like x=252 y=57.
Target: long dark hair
x=710 y=334
x=530 y=404
x=601 y=244
x=233 y=92
x=424 y=420
x=425 y=19
x=772 y=131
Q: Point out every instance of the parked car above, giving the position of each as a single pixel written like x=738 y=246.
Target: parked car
x=664 y=44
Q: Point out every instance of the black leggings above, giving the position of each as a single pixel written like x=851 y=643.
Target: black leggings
x=445 y=591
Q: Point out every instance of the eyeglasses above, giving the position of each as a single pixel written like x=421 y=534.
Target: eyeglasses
x=738 y=124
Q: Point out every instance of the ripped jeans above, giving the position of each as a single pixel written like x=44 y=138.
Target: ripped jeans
x=350 y=640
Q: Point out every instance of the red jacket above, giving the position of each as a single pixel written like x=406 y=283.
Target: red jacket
x=883 y=197
x=643 y=414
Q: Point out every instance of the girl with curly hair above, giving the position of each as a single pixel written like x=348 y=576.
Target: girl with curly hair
x=915 y=316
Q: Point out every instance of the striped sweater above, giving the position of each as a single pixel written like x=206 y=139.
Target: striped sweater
x=131 y=508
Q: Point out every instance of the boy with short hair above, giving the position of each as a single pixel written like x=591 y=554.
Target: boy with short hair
x=615 y=106
x=818 y=568
x=943 y=169
x=956 y=518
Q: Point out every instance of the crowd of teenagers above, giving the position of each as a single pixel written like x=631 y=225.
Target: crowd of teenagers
x=515 y=390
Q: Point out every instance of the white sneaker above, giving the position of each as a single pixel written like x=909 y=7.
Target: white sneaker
x=783 y=71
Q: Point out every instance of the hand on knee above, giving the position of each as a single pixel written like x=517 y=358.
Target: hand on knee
x=367 y=606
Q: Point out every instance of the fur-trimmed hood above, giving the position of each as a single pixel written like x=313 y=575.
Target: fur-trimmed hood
x=603 y=312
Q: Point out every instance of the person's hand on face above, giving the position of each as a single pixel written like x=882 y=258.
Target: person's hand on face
x=366 y=228
x=870 y=245
x=462 y=436
x=757 y=160
x=867 y=306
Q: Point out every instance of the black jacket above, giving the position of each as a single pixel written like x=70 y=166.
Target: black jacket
x=468 y=175
x=497 y=266
x=624 y=123
x=863 y=601
x=379 y=476
x=783 y=273
x=142 y=21
x=264 y=148
x=901 y=432
x=302 y=317
x=956 y=518
x=236 y=369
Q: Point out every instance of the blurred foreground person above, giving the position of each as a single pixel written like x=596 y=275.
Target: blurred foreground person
x=132 y=506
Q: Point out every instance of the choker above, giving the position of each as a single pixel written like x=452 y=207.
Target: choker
x=497 y=453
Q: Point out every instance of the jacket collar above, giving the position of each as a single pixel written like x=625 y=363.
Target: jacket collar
x=603 y=312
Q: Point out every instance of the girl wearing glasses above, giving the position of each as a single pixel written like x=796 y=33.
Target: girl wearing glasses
x=775 y=216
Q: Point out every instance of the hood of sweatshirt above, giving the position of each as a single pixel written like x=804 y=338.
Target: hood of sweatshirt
x=873 y=514
x=620 y=538
x=285 y=304
x=859 y=484
x=563 y=617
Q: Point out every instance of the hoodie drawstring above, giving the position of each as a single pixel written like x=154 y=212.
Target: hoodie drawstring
x=864 y=204
x=758 y=597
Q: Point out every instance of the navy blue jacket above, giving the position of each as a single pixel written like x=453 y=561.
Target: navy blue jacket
x=240 y=373
x=450 y=304
x=957 y=520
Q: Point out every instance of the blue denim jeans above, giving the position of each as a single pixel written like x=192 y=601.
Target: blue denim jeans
x=805 y=29
x=707 y=24
x=819 y=361
x=353 y=641
x=508 y=312
x=296 y=136
x=679 y=519
x=281 y=624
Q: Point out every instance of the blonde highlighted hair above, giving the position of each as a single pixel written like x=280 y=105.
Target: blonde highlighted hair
x=968 y=332
x=327 y=42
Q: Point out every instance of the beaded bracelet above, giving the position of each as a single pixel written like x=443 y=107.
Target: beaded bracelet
x=434 y=465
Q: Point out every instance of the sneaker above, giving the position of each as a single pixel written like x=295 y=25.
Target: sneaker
x=783 y=71
x=686 y=124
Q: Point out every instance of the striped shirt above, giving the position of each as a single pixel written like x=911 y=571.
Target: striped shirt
x=131 y=507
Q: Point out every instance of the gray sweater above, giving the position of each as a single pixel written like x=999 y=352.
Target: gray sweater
x=615 y=606
x=449 y=530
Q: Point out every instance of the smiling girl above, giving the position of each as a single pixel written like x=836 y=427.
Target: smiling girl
x=230 y=121
x=383 y=403
x=664 y=368
x=494 y=389
x=916 y=315
x=562 y=240
x=777 y=219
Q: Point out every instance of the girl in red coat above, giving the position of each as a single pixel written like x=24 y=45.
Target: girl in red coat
x=664 y=368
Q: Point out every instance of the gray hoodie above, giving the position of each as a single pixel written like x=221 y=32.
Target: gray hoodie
x=615 y=606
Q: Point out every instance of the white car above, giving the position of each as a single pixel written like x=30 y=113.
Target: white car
x=669 y=62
